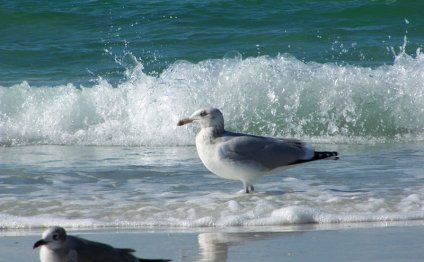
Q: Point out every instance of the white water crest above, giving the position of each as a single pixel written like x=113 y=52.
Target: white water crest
x=278 y=96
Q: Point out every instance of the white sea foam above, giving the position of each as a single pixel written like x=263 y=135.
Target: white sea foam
x=285 y=216
x=145 y=205
x=266 y=95
x=17 y=222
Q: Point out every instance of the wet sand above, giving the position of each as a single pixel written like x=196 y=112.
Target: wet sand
x=302 y=243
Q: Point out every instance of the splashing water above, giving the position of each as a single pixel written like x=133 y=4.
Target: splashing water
x=279 y=96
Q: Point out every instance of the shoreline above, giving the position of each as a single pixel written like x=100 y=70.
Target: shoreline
x=224 y=229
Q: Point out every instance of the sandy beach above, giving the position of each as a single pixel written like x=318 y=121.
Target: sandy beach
x=392 y=242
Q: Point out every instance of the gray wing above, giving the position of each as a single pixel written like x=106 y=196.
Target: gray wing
x=91 y=251
x=268 y=152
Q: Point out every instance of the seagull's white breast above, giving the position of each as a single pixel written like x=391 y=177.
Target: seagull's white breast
x=48 y=255
x=214 y=159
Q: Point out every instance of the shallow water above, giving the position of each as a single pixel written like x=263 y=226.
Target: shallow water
x=92 y=186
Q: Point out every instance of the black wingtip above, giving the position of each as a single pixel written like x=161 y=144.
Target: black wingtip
x=154 y=260
x=326 y=155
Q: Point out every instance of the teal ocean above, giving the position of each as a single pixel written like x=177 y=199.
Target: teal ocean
x=49 y=43
x=91 y=92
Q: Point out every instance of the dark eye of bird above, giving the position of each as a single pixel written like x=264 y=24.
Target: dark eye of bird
x=203 y=113
x=55 y=237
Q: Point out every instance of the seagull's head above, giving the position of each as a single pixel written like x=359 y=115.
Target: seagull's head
x=208 y=117
x=52 y=238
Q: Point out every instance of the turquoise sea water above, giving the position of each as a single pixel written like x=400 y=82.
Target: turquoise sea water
x=91 y=91
x=49 y=43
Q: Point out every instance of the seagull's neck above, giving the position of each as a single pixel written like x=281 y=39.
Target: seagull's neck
x=53 y=255
x=208 y=134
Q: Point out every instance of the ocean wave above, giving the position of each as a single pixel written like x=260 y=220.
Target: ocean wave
x=278 y=96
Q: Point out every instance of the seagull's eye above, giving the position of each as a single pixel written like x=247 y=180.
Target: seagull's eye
x=203 y=113
x=55 y=236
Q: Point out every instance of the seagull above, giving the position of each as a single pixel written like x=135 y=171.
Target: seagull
x=246 y=157
x=57 y=246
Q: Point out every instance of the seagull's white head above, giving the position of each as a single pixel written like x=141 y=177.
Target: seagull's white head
x=53 y=238
x=209 y=117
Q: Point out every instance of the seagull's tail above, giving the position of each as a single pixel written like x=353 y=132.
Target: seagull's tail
x=325 y=155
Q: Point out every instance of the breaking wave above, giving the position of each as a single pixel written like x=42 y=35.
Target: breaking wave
x=278 y=96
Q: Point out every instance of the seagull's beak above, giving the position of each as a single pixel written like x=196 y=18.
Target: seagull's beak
x=185 y=121
x=39 y=243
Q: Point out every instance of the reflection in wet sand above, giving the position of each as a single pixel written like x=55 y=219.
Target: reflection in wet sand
x=214 y=247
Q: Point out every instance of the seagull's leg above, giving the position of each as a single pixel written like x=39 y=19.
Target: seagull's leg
x=246 y=187
x=251 y=188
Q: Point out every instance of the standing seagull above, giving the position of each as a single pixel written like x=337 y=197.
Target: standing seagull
x=246 y=157
x=56 y=246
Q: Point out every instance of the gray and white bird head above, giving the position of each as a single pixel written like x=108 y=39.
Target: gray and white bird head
x=208 y=117
x=52 y=238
